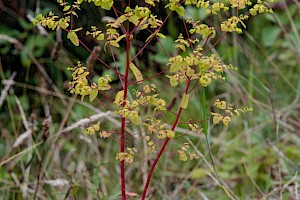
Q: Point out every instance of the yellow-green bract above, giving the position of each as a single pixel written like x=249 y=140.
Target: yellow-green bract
x=184 y=101
x=136 y=72
x=73 y=37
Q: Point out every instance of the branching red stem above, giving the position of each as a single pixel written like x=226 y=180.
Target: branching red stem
x=163 y=147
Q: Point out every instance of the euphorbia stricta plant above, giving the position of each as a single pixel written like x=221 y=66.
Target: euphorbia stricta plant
x=193 y=67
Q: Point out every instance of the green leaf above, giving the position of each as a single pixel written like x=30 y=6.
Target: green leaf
x=134 y=117
x=161 y=35
x=151 y=2
x=216 y=118
x=63 y=24
x=66 y=8
x=175 y=67
x=155 y=33
x=104 y=4
x=134 y=19
x=173 y=81
x=136 y=72
x=77 y=29
x=150 y=36
x=226 y=120
x=181 y=46
x=120 y=37
x=127 y=9
x=114 y=43
x=119 y=21
x=180 y=11
x=184 y=101
x=73 y=37
x=170 y=134
x=100 y=37
x=119 y=97
x=93 y=94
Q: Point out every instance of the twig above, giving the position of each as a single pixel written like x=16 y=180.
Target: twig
x=6 y=88
x=57 y=47
x=28 y=131
x=288 y=183
x=25 y=181
x=8 y=39
x=85 y=121
x=22 y=137
x=57 y=182
x=24 y=120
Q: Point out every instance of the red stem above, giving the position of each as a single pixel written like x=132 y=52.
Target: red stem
x=122 y=165
x=163 y=147
x=122 y=142
x=153 y=167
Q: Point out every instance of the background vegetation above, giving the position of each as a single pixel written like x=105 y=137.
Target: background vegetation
x=257 y=156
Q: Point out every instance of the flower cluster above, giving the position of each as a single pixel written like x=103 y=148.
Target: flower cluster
x=91 y=130
x=130 y=110
x=51 y=21
x=80 y=84
x=185 y=154
x=229 y=112
x=127 y=157
x=195 y=66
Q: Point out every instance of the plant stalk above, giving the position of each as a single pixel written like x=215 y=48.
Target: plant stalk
x=123 y=124
x=163 y=147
